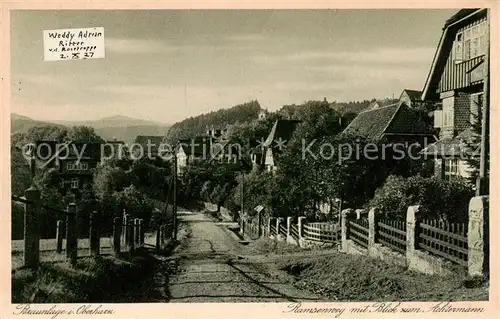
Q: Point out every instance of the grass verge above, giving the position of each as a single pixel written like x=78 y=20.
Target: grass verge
x=104 y=279
x=346 y=277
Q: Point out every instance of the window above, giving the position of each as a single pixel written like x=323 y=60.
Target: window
x=450 y=168
x=74 y=183
x=448 y=111
x=470 y=43
x=77 y=166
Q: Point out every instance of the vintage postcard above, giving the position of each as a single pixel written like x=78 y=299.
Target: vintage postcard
x=219 y=160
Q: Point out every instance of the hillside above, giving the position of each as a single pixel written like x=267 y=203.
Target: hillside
x=122 y=128
x=198 y=125
x=113 y=121
x=21 y=124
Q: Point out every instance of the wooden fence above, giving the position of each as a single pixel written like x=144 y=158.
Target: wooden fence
x=358 y=231
x=391 y=234
x=294 y=231
x=127 y=233
x=322 y=232
x=443 y=239
x=282 y=230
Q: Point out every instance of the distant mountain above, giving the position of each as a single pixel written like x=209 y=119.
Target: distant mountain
x=118 y=127
x=21 y=123
x=129 y=133
x=113 y=121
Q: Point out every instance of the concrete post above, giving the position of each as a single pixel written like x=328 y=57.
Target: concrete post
x=346 y=215
x=413 y=217
x=94 y=234
x=131 y=235
x=124 y=228
x=269 y=223
x=59 y=236
x=373 y=217
x=71 y=235
x=478 y=236
x=136 y=232
x=360 y=213
x=158 y=238
x=288 y=225
x=31 y=228
x=141 y=232
x=259 y=231
x=117 y=229
x=300 y=225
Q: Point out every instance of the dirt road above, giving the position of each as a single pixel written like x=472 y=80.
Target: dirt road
x=212 y=269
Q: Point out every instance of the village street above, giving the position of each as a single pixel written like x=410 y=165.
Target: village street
x=212 y=268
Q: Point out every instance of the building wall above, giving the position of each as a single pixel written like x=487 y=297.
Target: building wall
x=462 y=112
x=455 y=74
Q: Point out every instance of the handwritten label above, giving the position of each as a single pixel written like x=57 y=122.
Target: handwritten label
x=73 y=44
x=54 y=311
x=381 y=307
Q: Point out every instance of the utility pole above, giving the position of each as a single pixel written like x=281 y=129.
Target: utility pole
x=482 y=182
x=174 y=196
x=242 y=196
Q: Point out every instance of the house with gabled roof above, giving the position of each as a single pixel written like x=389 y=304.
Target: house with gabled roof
x=412 y=98
x=276 y=141
x=396 y=122
x=455 y=88
x=190 y=151
x=147 y=146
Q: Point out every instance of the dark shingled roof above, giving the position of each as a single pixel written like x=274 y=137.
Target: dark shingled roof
x=282 y=129
x=459 y=15
x=198 y=147
x=372 y=123
x=394 y=119
x=143 y=140
x=153 y=140
x=450 y=146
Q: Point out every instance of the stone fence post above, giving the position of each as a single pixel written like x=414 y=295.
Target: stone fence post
x=131 y=243
x=158 y=237
x=269 y=223
x=117 y=230
x=141 y=232
x=31 y=227
x=288 y=225
x=413 y=218
x=478 y=236
x=360 y=213
x=346 y=215
x=94 y=234
x=59 y=236
x=71 y=235
x=278 y=223
x=300 y=226
x=259 y=217
x=136 y=232
x=373 y=218
x=125 y=230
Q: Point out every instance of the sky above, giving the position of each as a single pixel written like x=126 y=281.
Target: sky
x=167 y=65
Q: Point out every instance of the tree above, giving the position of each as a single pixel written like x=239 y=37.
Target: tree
x=109 y=179
x=437 y=198
x=83 y=134
x=473 y=150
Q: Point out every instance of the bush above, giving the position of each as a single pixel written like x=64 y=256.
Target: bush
x=438 y=198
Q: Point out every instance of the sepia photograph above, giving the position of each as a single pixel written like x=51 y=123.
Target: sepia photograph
x=250 y=156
